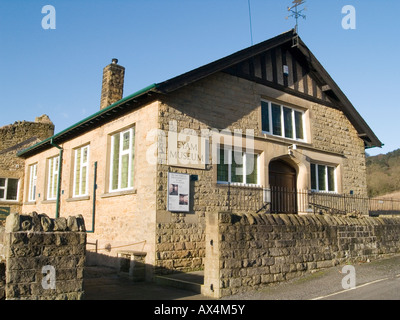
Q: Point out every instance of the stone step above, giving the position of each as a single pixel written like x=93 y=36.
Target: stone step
x=190 y=281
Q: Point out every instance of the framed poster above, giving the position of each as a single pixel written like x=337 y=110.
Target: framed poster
x=178 y=192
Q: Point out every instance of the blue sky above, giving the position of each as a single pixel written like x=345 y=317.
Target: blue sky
x=58 y=72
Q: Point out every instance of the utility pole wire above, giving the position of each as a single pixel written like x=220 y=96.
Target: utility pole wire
x=251 y=28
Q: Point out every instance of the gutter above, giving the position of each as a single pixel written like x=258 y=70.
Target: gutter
x=60 y=158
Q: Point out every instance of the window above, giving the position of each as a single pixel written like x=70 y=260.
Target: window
x=81 y=172
x=122 y=160
x=282 y=121
x=52 y=181
x=9 y=189
x=32 y=182
x=323 y=178
x=230 y=167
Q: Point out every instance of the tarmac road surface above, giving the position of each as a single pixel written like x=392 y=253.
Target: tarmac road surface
x=376 y=280
x=381 y=289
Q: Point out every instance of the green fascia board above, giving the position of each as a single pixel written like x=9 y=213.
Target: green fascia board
x=89 y=118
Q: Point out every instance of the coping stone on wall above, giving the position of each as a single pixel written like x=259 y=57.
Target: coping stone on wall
x=304 y=220
x=41 y=222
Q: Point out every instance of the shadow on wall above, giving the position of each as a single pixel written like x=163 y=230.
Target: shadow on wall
x=127 y=283
x=112 y=256
x=97 y=259
x=127 y=263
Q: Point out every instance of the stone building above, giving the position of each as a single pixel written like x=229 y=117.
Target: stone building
x=147 y=169
x=14 y=138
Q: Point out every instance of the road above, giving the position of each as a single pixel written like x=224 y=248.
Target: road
x=381 y=289
x=376 y=280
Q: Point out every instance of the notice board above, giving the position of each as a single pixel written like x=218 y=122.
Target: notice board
x=178 y=192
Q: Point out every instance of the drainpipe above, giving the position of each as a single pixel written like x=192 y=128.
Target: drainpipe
x=94 y=197
x=59 y=176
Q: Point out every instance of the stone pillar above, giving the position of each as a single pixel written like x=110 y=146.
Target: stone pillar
x=212 y=268
x=44 y=257
x=113 y=84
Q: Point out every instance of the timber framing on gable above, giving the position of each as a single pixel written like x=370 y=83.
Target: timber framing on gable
x=267 y=69
x=263 y=63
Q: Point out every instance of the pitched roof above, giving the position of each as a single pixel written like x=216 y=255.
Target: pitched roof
x=149 y=93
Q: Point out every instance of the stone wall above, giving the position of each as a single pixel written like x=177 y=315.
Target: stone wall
x=14 y=138
x=44 y=257
x=180 y=246
x=246 y=252
x=333 y=132
x=13 y=134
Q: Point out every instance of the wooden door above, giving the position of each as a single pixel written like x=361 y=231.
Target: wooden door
x=282 y=180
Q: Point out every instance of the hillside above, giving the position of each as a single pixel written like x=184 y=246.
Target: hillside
x=383 y=173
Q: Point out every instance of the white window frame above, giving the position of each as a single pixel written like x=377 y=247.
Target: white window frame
x=5 y=188
x=293 y=110
x=82 y=164
x=130 y=151
x=52 y=178
x=326 y=177
x=32 y=182
x=244 y=183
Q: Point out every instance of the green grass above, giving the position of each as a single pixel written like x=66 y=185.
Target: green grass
x=383 y=173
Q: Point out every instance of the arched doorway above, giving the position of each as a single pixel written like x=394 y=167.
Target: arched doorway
x=283 y=182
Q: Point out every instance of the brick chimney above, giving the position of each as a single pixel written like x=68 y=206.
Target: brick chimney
x=113 y=84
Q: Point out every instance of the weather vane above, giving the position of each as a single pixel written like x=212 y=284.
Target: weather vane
x=296 y=13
